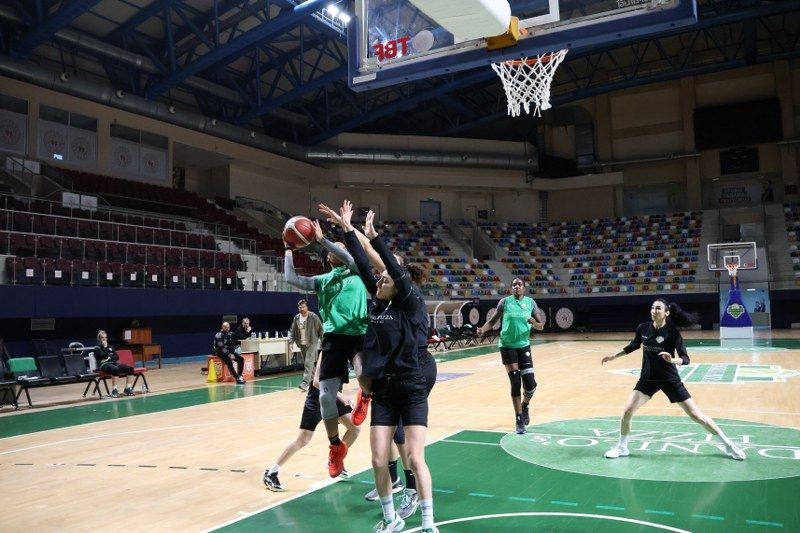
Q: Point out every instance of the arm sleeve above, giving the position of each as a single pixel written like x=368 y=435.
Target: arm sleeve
x=340 y=254
x=635 y=343
x=680 y=349
x=405 y=289
x=359 y=257
x=301 y=282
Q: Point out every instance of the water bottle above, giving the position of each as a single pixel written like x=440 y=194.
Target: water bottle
x=253 y=335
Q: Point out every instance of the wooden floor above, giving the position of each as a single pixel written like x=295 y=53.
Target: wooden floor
x=197 y=466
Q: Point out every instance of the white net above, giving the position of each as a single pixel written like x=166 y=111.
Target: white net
x=527 y=82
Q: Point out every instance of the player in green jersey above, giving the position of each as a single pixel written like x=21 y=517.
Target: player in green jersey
x=519 y=314
x=342 y=300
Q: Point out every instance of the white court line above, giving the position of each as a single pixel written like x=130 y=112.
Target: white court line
x=322 y=484
x=472 y=442
x=571 y=515
x=138 y=431
x=131 y=416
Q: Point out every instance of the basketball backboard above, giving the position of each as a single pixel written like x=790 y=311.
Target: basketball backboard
x=394 y=41
x=742 y=254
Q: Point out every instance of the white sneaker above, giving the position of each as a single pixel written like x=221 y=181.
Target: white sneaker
x=409 y=503
x=395 y=525
x=617 y=451
x=735 y=452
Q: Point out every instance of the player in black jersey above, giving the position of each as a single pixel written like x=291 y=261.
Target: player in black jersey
x=309 y=420
x=391 y=359
x=663 y=349
x=410 y=500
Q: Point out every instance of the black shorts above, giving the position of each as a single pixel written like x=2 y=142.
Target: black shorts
x=518 y=356
x=312 y=413
x=397 y=397
x=674 y=390
x=337 y=351
x=429 y=369
x=429 y=372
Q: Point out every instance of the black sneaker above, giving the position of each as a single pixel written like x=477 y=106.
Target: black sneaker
x=526 y=416
x=128 y=391
x=520 y=426
x=272 y=483
x=240 y=380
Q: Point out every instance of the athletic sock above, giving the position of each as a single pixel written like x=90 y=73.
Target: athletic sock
x=335 y=440
x=525 y=404
x=411 y=481
x=274 y=469
x=393 y=471
x=623 y=441
x=427 y=513
x=387 y=504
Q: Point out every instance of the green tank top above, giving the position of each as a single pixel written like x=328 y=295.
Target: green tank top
x=342 y=302
x=516 y=331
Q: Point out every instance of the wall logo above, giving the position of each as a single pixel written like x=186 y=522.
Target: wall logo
x=150 y=164
x=10 y=134
x=735 y=310
x=122 y=156
x=727 y=374
x=81 y=149
x=53 y=142
x=663 y=448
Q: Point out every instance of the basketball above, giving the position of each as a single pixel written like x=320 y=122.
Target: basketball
x=298 y=232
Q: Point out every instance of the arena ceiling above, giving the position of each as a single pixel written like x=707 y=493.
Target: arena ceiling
x=270 y=66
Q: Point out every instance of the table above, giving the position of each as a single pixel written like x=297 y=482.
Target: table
x=278 y=347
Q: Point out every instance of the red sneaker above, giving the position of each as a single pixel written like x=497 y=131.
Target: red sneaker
x=359 y=413
x=336 y=458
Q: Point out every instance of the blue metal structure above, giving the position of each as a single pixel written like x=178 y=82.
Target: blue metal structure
x=280 y=66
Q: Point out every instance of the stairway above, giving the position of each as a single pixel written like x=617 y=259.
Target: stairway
x=777 y=239
x=706 y=280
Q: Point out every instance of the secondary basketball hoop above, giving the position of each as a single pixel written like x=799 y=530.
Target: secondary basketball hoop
x=527 y=81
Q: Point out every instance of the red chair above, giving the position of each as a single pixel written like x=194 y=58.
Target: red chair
x=125 y=358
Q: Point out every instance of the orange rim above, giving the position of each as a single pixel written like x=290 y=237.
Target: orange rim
x=531 y=60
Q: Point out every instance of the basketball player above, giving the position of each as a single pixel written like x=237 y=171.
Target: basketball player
x=661 y=340
x=309 y=421
x=410 y=501
x=391 y=358
x=518 y=313
x=342 y=301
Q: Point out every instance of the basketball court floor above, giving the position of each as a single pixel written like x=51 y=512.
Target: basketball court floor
x=190 y=456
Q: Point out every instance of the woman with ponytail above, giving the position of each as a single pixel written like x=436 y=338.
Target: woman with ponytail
x=662 y=351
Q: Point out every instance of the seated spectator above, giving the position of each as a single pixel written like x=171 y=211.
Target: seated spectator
x=108 y=361
x=242 y=332
x=225 y=348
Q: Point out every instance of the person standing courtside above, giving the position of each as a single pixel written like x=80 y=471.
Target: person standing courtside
x=225 y=348
x=306 y=332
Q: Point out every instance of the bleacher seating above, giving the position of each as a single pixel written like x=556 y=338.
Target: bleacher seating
x=450 y=276
x=623 y=255
x=791 y=214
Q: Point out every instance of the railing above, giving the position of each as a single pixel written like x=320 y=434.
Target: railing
x=219 y=230
x=263 y=206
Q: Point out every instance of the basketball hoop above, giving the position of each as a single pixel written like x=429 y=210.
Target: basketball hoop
x=527 y=81
x=732 y=269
